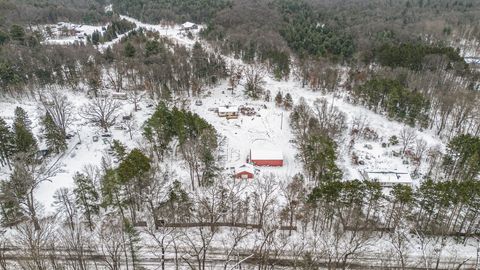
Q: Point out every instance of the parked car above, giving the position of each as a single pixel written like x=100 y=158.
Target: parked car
x=198 y=103
x=95 y=138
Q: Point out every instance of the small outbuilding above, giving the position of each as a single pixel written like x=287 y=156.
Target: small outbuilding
x=263 y=157
x=230 y=112
x=189 y=26
x=246 y=171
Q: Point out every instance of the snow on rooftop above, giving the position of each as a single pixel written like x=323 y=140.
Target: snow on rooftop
x=188 y=25
x=227 y=109
x=109 y=8
x=245 y=168
x=265 y=154
x=390 y=177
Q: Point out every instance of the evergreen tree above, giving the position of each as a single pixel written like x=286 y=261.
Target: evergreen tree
x=95 y=39
x=134 y=166
x=3 y=37
x=278 y=99
x=108 y=55
x=87 y=197
x=129 y=50
x=11 y=211
x=152 y=47
x=54 y=136
x=17 y=32
x=119 y=149
x=288 y=101
x=25 y=142
x=7 y=146
x=17 y=194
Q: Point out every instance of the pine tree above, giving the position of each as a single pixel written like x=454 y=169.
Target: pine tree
x=6 y=143
x=54 y=137
x=17 y=32
x=87 y=197
x=25 y=142
x=10 y=209
x=288 y=101
x=119 y=149
x=278 y=99
x=129 y=50
x=95 y=37
x=135 y=165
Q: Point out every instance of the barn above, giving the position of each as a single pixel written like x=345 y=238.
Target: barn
x=263 y=157
x=246 y=171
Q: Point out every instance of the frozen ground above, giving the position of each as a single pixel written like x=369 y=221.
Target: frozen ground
x=64 y=33
x=268 y=128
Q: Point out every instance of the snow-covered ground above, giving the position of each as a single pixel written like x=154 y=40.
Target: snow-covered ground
x=269 y=128
x=64 y=33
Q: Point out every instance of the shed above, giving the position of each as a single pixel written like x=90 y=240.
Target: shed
x=246 y=171
x=189 y=26
x=228 y=111
x=263 y=157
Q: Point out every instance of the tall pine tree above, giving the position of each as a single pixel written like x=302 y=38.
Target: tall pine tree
x=87 y=197
x=54 y=137
x=6 y=143
x=25 y=142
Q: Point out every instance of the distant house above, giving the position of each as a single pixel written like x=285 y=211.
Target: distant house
x=262 y=157
x=246 y=171
x=389 y=179
x=231 y=112
x=189 y=26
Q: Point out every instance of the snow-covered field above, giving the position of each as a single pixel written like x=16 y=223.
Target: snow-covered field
x=64 y=33
x=269 y=128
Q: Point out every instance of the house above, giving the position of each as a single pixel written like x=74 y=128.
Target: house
x=189 y=26
x=246 y=171
x=389 y=179
x=263 y=157
x=230 y=112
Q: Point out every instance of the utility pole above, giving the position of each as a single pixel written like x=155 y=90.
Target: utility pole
x=281 y=122
x=478 y=253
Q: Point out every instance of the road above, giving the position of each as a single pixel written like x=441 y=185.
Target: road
x=216 y=259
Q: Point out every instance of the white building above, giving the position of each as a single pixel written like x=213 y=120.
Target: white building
x=389 y=179
x=189 y=26
x=228 y=111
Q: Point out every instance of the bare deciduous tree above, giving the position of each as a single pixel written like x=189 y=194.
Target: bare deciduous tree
x=254 y=81
x=102 y=111
x=407 y=137
x=24 y=181
x=330 y=119
x=235 y=74
x=59 y=108
x=135 y=97
x=33 y=243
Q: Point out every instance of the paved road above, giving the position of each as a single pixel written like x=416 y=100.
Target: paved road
x=216 y=259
